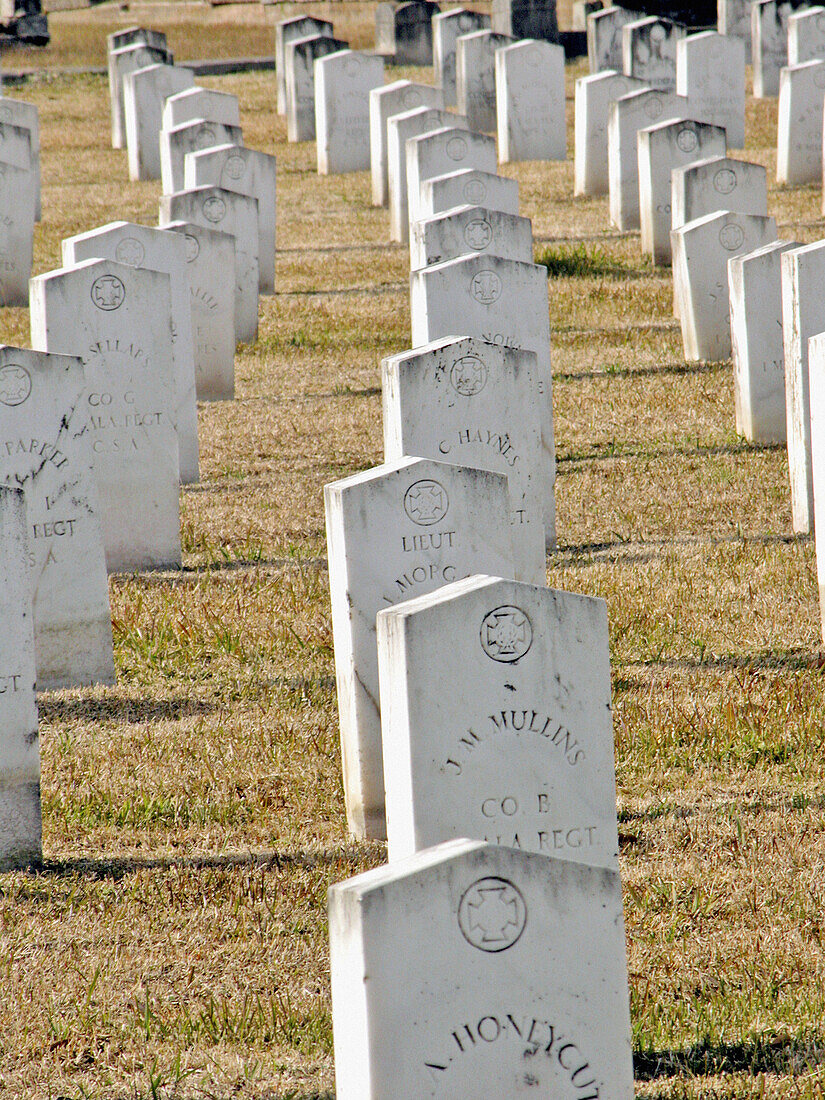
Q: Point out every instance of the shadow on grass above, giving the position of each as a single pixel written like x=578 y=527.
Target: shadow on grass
x=752 y=1056
x=618 y=451
x=795 y=660
x=131 y=711
x=676 y=367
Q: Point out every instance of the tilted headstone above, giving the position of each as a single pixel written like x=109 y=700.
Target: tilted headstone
x=496 y=721
x=476 y=77
x=816 y=359
x=18 y=204
x=662 y=148
x=701 y=250
x=447 y=27
x=127 y=59
x=710 y=72
x=210 y=262
x=526 y=19
x=47 y=450
x=118 y=319
x=755 y=284
x=474 y=404
x=286 y=30
x=470 y=229
x=20 y=827
x=194 y=103
x=142 y=246
x=501 y=302
x=649 y=51
x=472 y=970
x=190 y=137
x=734 y=21
x=803 y=316
x=229 y=212
x=393 y=99
x=396 y=531
x=769 y=43
x=718 y=183
x=593 y=97
x=799 y=137
x=468 y=187
x=629 y=114
x=343 y=82
x=25 y=115
x=144 y=93
x=248 y=172
x=446 y=150
x=806 y=35
x=400 y=128
x=530 y=102
x=404 y=32
x=299 y=67
x=604 y=38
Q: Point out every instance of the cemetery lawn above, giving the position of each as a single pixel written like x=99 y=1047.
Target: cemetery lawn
x=174 y=943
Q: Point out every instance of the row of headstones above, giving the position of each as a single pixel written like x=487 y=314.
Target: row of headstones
x=20 y=203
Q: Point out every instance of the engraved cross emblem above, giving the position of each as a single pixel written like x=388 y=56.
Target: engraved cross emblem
x=426 y=502
x=492 y=914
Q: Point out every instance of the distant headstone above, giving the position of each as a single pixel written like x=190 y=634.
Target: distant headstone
x=190 y=137
x=119 y=319
x=649 y=51
x=287 y=30
x=393 y=532
x=47 y=450
x=404 y=32
x=799 y=137
x=806 y=35
x=131 y=36
x=755 y=282
x=468 y=229
x=526 y=19
x=498 y=301
x=701 y=250
x=816 y=359
x=474 y=404
x=662 y=148
x=769 y=43
x=25 y=115
x=629 y=114
x=718 y=183
x=301 y=55
x=468 y=187
x=195 y=103
x=142 y=246
x=144 y=93
x=123 y=60
x=476 y=77
x=447 y=27
x=734 y=21
x=18 y=203
x=604 y=38
x=440 y=151
x=20 y=829
x=477 y=970
x=249 y=172
x=593 y=96
x=343 y=82
x=496 y=721
x=530 y=102
x=210 y=261
x=229 y=212
x=710 y=72
x=581 y=10
x=393 y=99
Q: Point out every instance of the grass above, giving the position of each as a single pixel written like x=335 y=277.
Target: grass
x=174 y=942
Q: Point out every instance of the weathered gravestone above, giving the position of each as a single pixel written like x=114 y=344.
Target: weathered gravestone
x=248 y=172
x=526 y=19
x=799 y=136
x=468 y=187
x=629 y=114
x=393 y=99
x=287 y=30
x=472 y=970
x=662 y=148
x=301 y=55
x=404 y=32
x=604 y=38
x=718 y=183
x=501 y=302
x=46 y=449
x=755 y=284
x=396 y=531
x=343 y=82
x=701 y=250
x=15 y=112
x=474 y=404
x=649 y=51
x=118 y=319
x=400 y=128
x=200 y=103
x=20 y=829
x=593 y=97
x=806 y=35
x=476 y=77
x=440 y=151
x=769 y=41
x=229 y=212
x=447 y=27
x=127 y=59
x=803 y=316
x=816 y=359
x=710 y=72
x=530 y=102
x=190 y=137
x=496 y=720
x=130 y=36
x=144 y=93
x=734 y=21
x=18 y=204
x=581 y=10
x=210 y=262
x=468 y=229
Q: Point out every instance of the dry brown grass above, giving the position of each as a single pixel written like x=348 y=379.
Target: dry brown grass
x=175 y=943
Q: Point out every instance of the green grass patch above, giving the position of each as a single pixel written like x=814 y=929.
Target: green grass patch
x=579 y=262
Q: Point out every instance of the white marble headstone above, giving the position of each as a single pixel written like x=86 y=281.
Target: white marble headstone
x=126 y=59
x=144 y=93
x=629 y=114
x=18 y=203
x=468 y=229
x=816 y=362
x=649 y=51
x=447 y=27
x=446 y=150
x=806 y=35
x=468 y=187
x=718 y=183
x=393 y=99
x=301 y=26
x=343 y=82
x=206 y=103
x=530 y=102
x=190 y=137
x=593 y=96
x=26 y=116
x=769 y=44
x=799 y=134
x=604 y=38
x=476 y=77
x=299 y=66
x=710 y=72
